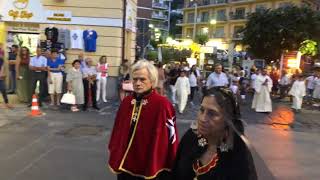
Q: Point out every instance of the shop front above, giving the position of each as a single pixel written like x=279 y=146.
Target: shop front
x=71 y=26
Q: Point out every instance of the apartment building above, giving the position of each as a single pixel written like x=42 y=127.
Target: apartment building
x=221 y=20
x=153 y=16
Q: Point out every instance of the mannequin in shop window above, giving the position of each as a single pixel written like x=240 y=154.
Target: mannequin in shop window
x=52 y=33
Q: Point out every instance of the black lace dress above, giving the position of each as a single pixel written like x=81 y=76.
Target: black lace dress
x=235 y=164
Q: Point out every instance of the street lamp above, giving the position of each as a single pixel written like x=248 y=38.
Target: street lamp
x=213 y=22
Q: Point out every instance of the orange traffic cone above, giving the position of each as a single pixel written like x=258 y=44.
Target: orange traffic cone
x=35 y=111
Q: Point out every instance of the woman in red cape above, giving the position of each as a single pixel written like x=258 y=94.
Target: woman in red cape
x=144 y=140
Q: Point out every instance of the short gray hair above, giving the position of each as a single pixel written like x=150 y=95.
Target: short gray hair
x=153 y=71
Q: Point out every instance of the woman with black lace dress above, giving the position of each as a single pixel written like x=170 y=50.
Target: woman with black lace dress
x=213 y=149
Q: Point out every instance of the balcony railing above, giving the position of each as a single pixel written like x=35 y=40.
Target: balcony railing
x=159 y=5
x=161 y=26
x=159 y=16
x=206 y=3
x=238 y=36
x=233 y=16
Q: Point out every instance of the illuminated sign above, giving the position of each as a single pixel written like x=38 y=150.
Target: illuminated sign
x=20 y=10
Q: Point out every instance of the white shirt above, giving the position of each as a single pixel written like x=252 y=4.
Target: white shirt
x=38 y=61
x=76 y=37
x=284 y=80
x=234 y=89
x=193 y=80
x=310 y=80
x=216 y=80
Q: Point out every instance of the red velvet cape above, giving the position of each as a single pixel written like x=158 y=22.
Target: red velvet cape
x=152 y=147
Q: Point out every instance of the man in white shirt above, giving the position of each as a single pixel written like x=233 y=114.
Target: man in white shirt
x=217 y=78
x=284 y=84
x=38 y=66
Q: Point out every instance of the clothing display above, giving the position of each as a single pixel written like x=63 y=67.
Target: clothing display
x=52 y=34
x=76 y=39
x=64 y=37
x=90 y=40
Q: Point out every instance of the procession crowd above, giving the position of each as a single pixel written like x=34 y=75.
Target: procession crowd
x=87 y=81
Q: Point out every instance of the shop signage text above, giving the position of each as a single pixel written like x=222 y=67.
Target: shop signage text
x=58 y=15
x=20 y=10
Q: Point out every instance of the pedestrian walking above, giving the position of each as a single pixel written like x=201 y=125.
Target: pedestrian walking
x=284 y=84
x=217 y=78
x=124 y=79
x=194 y=77
x=75 y=84
x=310 y=84
x=213 y=148
x=298 y=91
x=253 y=77
x=316 y=82
x=275 y=76
x=23 y=75
x=173 y=76
x=3 y=83
x=55 y=77
x=161 y=79
x=262 y=100
x=12 y=70
x=182 y=87
x=90 y=85
x=102 y=78
x=144 y=138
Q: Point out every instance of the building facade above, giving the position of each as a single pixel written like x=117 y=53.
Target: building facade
x=221 y=20
x=152 y=21
x=26 y=23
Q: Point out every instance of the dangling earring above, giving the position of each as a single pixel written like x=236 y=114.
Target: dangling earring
x=224 y=147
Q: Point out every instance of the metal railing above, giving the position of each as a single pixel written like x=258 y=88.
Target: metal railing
x=159 y=5
x=159 y=16
x=206 y=3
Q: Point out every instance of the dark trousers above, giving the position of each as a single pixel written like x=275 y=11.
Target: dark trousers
x=41 y=77
x=13 y=81
x=4 y=91
x=90 y=87
x=283 y=91
x=193 y=90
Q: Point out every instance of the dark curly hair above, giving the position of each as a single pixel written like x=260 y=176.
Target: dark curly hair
x=228 y=103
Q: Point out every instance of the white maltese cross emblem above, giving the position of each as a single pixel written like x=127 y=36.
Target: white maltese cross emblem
x=172 y=131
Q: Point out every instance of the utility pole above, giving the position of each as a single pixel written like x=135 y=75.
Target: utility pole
x=195 y=20
x=169 y=16
x=124 y=21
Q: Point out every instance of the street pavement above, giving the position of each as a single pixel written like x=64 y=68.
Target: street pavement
x=73 y=146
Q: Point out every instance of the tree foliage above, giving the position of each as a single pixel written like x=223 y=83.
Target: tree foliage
x=202 y=39
x=269 y=32
x=309 y=47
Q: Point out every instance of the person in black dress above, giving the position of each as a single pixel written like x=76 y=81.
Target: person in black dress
x=213 y=149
